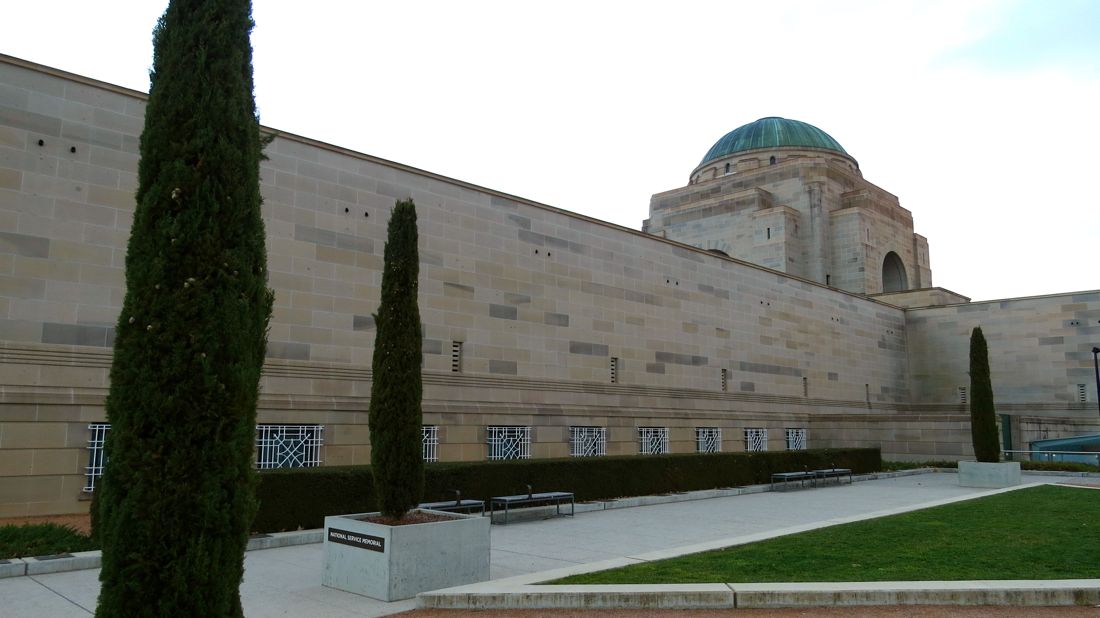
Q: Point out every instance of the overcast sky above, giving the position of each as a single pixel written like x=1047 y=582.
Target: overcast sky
x=981 y=116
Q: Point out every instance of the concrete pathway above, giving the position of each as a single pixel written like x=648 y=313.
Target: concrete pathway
x=286 y=581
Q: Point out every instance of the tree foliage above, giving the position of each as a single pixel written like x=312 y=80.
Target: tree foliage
x=395 y=414
x=177 y=495
x=983 y=420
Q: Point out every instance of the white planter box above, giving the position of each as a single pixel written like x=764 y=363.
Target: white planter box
x=391 y=563
x=991 y=475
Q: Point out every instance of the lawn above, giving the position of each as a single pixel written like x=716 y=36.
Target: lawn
x=1045 y=532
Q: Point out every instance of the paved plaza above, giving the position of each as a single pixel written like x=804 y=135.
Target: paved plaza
x=286 y=581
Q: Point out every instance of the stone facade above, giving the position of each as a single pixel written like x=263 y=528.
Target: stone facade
x=533 y=316
x=803 y=211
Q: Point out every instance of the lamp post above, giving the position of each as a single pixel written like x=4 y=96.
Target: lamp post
x=1096 y=367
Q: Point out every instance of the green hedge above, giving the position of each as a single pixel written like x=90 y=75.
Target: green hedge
x=300 y=498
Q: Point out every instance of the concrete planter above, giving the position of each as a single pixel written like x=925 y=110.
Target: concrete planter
x=391 y=563
x=991 y=475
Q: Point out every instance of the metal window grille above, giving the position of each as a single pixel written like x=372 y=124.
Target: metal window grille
x=614 y=367
x=96 y=456
x=288 y=446
x=1082 y=395
x=756 y=439
x=962 y=394
x=587 y=441
x=725 y=380
x=652 y=440
x=796 y=439
x=430 y=440
x=509 y=442
x=708 y=439
x=456 y=356
x=805 y=387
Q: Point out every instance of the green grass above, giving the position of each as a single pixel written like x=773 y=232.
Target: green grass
x=1058 y=466
x=41 y=540
x=1045 y=532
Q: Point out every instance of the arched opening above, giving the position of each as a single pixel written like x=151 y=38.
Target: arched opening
x=893 y=274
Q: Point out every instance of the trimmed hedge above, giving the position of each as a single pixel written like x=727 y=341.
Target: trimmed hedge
x=300 y=498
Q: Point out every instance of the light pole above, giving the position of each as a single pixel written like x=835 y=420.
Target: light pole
x=1096 y=367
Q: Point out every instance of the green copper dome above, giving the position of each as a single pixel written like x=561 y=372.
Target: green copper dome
x=772 y=132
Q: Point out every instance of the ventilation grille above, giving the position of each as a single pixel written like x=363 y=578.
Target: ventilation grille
x=456 y=356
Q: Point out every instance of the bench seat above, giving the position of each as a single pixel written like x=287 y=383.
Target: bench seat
x=556 y=498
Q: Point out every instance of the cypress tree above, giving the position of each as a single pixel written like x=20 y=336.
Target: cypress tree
x=983 y=420
x=177 y=496
x=395 y=414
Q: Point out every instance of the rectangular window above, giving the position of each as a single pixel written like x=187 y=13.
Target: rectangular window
x=796 y=439
x=805 y=387
x=725 y=380
x=288 y=446
x=98 y=435
x=587 y=441
x=962 y=395
x=509 y=442
x=652 y=440
x=456 y=356
x=429 y=438
x=1082 y=394
x=756 y=439
x=708 y=439
x=614 y=368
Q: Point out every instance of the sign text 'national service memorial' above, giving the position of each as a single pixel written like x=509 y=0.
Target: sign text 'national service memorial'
x=356 y=539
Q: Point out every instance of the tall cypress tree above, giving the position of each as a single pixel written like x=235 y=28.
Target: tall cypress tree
x=395 y=414
x=983 y=420
x=177 y=496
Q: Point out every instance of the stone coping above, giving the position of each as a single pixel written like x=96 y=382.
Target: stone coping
x=745 y=596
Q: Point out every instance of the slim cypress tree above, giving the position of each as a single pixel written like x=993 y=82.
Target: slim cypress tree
x=983 y=421
x=177 y=497
x=395 y=415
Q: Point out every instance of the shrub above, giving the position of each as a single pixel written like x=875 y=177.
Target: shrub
x=395 y=414
x=41 y=540
x=296 y=498
x=177 y=499
x=983 y=418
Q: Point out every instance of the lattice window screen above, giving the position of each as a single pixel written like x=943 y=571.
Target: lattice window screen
x=587 y=441
x=429 y=438
x=756 y=439
x=796 y=439
x=96 y=457
x=708 y=439
x=509 y=442
x=652 y=440
x=288 y=446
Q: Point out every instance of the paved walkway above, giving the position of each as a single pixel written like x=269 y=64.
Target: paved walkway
x=286 y=581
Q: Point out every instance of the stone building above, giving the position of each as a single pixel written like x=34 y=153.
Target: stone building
x=784 y=194
x=546 y=333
